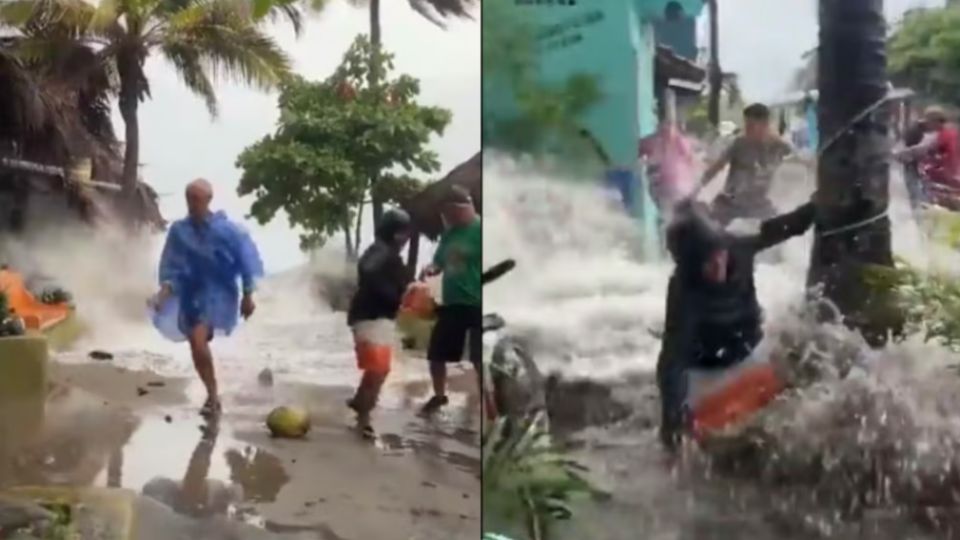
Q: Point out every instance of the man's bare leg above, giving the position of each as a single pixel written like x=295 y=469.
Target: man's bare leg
x=203 y=362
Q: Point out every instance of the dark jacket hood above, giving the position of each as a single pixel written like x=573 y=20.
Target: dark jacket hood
x=693 y=235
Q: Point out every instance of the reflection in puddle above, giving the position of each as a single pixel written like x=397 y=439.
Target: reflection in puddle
x=219 y=476
x=258 y=472
x=196 y=495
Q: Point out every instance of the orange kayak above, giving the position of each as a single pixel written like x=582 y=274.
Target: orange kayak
x=35 y=314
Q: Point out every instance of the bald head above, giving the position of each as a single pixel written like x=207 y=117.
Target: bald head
x=199 y=193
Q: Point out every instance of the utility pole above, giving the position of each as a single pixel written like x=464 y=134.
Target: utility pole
x=853 y=230
x=716 y=75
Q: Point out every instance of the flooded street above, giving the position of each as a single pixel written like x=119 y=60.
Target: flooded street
x=131 y=422
x=869 y=455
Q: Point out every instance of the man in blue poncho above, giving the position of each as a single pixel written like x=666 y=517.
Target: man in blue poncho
x=204 y=258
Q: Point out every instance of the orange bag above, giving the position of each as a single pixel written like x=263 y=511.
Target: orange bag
x=418 y=301
x=747 y=389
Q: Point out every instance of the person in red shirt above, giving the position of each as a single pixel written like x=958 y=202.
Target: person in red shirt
x=938 y=155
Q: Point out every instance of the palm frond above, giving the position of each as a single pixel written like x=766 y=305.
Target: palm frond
x=436 y=11
x=19 y=89
x=57 y=109
x=193 y=74
x=70 y=17
x=291 y=10
x=225 y=43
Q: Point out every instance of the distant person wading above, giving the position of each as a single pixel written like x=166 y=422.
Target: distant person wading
x=753 y=159
x=204 y=258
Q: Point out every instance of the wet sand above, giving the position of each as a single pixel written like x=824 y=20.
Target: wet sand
x=110 y=426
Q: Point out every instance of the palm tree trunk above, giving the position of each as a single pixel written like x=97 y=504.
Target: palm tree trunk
x=129 y=103
x=716 y=75
x=853 y=175
x=375 y=40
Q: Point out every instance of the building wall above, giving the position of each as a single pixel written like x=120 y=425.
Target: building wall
x=614 y=41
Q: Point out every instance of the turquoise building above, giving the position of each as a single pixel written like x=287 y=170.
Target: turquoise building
x=615 y=41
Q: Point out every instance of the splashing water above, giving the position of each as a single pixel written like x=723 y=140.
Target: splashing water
x=111 y=276
x=866 y=448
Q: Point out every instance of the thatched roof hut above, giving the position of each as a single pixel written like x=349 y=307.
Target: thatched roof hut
x=51 y=117
x=424 y=208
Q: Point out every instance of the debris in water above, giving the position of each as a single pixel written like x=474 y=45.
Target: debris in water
x=100 y=355
x=265 y=378
x=142 y=391
x=156 y=384
x=168 y=419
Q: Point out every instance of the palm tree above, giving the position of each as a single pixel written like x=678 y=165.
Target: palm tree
x=53 y=112
x=435 y=11
x=199 y=38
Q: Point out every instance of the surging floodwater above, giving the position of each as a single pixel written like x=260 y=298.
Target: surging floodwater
x=869 y=455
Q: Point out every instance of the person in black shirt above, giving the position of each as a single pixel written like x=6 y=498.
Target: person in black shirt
x=382 y=279
x=713 y=319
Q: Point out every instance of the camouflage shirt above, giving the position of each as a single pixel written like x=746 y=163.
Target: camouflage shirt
x=752 y=166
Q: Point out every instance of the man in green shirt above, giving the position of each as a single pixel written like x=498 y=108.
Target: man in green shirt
x=459 y=260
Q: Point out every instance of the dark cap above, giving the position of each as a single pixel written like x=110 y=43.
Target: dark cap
x=457 y=195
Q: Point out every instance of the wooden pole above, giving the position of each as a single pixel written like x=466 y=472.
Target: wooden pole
x=716 y=74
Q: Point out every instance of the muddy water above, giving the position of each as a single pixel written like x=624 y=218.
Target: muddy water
x=838 y=457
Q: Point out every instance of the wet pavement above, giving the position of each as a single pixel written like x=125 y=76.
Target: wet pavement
x=232 y=472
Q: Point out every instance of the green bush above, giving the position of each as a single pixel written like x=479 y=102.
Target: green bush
x=930 y=301
x=528 y=485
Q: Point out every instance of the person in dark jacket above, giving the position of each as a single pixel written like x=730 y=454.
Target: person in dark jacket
x=713 y=319
x=382 y=279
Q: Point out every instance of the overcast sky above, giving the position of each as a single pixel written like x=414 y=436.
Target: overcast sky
x=180 y=142
x=763 y=40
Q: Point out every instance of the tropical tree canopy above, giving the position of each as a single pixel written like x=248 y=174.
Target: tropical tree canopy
x=201 y=39
x=333 y=138
x=924 y=53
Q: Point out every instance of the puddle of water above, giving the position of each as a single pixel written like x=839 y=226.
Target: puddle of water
x=200 y=472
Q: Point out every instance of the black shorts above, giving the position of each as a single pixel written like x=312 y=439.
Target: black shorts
x=450 y=334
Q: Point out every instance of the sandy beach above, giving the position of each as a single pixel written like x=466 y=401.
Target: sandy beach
x=110 y=426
